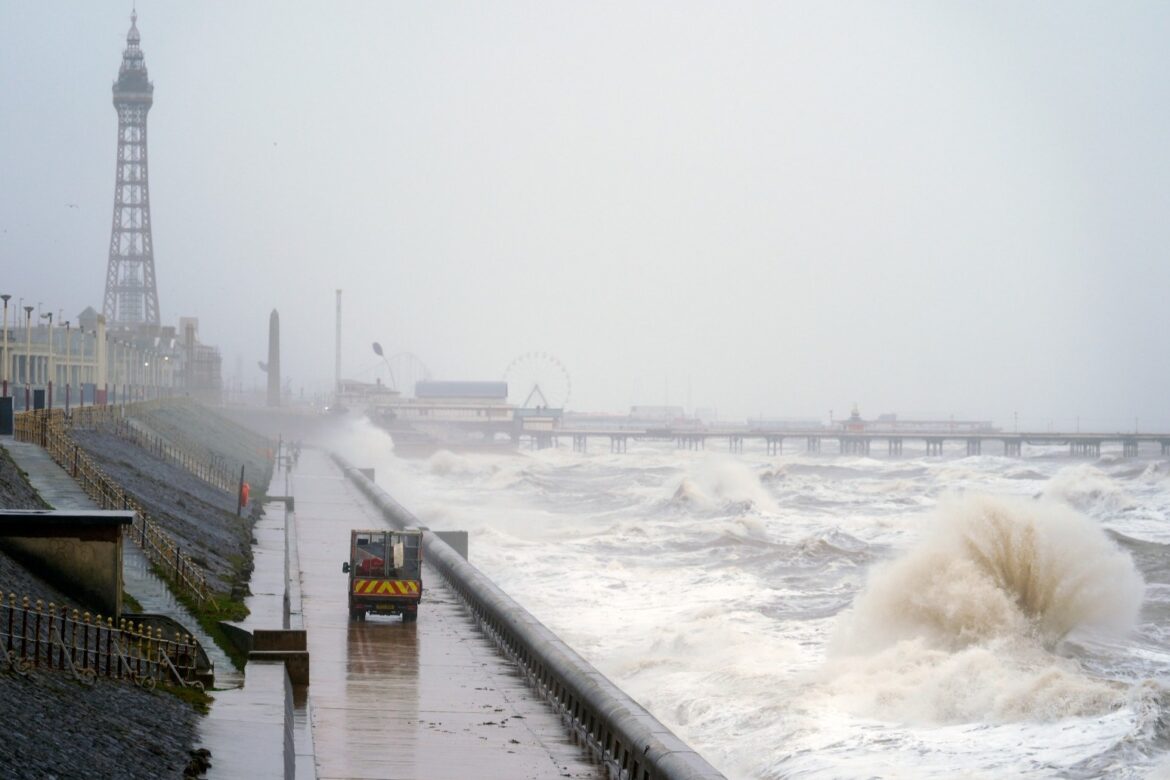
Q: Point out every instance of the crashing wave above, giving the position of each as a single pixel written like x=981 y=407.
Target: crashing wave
x=962 y=626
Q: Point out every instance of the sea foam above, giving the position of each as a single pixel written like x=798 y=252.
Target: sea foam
x=963 y=625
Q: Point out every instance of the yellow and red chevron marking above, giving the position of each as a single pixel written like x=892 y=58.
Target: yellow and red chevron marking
x=385 y=587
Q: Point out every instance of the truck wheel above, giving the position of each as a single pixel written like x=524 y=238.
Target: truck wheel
x=409 y=617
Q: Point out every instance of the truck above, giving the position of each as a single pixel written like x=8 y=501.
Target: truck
x=385 y=573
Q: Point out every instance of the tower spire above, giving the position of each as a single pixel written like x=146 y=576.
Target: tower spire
x=131 y=299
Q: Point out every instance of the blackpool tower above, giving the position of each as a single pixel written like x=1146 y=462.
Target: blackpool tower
x=131 y=300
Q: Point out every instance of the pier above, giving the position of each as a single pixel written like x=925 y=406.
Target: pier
x=862 y=443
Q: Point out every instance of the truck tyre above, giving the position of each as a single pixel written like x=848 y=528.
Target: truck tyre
x=409 y=617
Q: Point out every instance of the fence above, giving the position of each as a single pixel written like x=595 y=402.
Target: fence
x=34 y=636
x=48 y=429
x=628 y=740
x=256 y=444
x=174 y=448
x=207 y=469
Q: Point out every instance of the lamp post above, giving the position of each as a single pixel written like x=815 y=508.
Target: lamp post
x=114 y=370
x=120 y=370
x=4 y=365
x=92 y=372
x=119 y=379
x=49 y=359
x=68 y=356
x=128 y=373
x=123 y=349
x=27 y=357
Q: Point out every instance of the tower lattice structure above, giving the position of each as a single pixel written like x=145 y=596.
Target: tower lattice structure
x=131 y=299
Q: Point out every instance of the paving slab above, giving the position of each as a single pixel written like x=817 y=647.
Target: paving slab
x=249 y=734
x=50 y=480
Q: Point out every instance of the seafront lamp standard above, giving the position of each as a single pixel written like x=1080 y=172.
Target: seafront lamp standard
x=49 y=359
x=128 y=374
x=90 y=362
x=96 y=372
x=67 y=357
x=119 y=371
x=113 y=360
x=7 y=359
x=27 y=357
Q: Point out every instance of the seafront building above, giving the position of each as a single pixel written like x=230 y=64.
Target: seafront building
x=48 y=362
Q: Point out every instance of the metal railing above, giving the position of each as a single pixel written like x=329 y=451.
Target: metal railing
x=205 y=469
x=34 y=636
x=47 y=429
x=173 y=448
x=155 y=423
x=628 y=740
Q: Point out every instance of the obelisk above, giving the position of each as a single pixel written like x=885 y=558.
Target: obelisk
x=274 y=359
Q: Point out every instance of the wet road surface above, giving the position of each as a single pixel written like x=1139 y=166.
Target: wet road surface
x=388 y=699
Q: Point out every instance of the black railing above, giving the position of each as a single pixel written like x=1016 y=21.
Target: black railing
x=38 y=636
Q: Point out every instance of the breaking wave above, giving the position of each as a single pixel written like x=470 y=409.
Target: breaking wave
x=963 y=626
x=1089 y=489
x=723 y=484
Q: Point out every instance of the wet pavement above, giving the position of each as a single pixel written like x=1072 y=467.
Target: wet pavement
x=267 y=709
x=432 y=699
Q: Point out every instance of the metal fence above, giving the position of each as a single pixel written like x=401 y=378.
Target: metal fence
x=49 y=430
x=207 y=469
x=35 y=636
x=628 y=740
x=144 y=415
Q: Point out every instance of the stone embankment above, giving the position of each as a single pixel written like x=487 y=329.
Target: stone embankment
x=201 y=518
x=58 y=728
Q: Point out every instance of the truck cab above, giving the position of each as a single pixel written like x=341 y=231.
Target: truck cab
x=385 y=573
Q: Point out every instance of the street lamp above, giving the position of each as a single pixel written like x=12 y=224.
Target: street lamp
x=27 y=357
x=119 y=370
x=128 y=371
x=49 y=360
x=90 y=359
x=68 y=356
x=4 y=365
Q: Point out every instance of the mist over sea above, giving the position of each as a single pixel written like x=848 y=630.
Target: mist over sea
x=823 y=616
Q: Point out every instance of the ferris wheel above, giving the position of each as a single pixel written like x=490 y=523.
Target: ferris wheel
x=538 y=379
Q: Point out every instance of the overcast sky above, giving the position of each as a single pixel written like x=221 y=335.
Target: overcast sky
x=779 y=208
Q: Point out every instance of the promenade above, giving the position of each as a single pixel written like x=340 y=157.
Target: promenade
x=432 y=699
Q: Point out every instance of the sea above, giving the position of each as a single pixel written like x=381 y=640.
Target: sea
x=823 y=616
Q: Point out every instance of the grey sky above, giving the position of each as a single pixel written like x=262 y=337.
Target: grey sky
x=927 y=208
